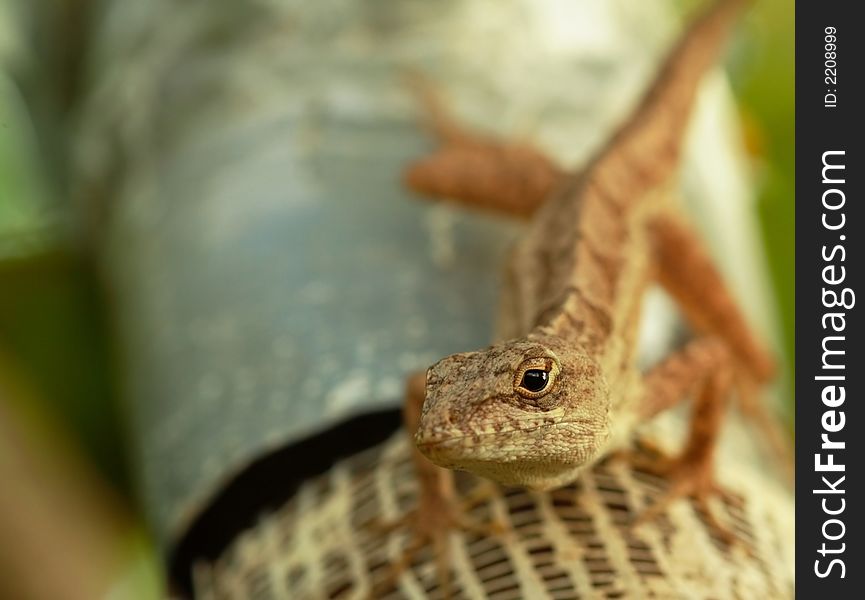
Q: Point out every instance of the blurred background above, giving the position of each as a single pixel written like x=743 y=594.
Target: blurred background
x=70 y=520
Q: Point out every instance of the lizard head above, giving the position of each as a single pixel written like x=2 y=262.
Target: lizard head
x=525 y=412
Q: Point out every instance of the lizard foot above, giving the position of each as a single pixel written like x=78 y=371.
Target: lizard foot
x=431 y=525
x=690 y=475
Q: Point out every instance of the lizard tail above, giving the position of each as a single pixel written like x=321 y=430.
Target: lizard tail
x=645 y=150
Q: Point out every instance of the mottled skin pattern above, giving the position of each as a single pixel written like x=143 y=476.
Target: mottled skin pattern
x=571 y=301
x=473 y=420
x=575 y=284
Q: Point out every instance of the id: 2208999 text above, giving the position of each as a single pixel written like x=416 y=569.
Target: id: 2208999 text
x=830 y=67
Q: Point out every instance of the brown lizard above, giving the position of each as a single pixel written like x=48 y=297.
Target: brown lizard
x=562 y=390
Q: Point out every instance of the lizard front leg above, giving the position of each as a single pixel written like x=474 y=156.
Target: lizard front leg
x=439 y=511
x=476 y=170
x=687 y=272
x=702 y=371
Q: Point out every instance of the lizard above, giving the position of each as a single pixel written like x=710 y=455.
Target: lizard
x=560 y=389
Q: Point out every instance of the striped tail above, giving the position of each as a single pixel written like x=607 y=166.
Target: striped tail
x=645 y=150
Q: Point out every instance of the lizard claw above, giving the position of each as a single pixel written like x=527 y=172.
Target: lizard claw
x=688 y=476
x=431 y=525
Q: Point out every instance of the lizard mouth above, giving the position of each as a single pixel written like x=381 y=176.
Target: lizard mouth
x=447 y=450
x=435 y=442
x=513 y=457
x=444 y=439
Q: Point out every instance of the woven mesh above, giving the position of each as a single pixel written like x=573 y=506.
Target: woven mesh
x=575 y=542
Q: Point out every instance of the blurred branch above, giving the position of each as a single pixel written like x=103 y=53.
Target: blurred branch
x=65 y=535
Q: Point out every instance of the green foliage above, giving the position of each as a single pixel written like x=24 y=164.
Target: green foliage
x=764 y=80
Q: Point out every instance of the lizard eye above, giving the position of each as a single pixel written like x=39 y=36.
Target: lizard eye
x=535 y=377
x=535 y=380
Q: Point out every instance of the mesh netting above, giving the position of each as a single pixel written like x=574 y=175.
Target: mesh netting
x=575 y=542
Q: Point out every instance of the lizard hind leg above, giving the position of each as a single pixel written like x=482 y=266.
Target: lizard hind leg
x=477 y=170
x=687 y=272
x=700 y=370
x=438 y=514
